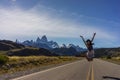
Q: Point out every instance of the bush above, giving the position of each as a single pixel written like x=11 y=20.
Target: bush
x=3 y=59
x=109 y=57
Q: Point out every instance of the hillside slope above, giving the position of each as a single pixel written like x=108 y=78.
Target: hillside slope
x=31 y=52
x=109 y=52
x=8 y=45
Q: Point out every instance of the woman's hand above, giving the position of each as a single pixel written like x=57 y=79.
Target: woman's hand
x=94 y=33
x=81 y=36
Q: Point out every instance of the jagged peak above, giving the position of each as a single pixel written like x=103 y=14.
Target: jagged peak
x=71 y=45
x=63 y=46
x=38 y=39
x=44 y=38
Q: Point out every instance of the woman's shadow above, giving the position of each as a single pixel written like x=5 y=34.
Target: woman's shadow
x=108 y=77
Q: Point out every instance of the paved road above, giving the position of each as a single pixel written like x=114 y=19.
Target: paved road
x=80 y=70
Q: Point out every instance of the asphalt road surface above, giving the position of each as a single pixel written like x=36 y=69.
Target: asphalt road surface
x=79 y=70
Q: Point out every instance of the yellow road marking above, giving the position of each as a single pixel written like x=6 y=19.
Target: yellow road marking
x=92 y=76
x=88 y=75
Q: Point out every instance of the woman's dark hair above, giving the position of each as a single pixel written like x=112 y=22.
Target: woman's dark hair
x=88 y=40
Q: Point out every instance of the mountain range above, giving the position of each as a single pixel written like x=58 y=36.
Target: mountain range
x=18 y=49
x=50 y=45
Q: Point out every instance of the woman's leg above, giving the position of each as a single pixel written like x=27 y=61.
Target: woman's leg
x=93 y=55
x=90 y=55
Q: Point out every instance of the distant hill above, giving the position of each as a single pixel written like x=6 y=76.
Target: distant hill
x=65 y=51
x=8 y=45
x=103 y=52
x=31 y=52
x=107 y=52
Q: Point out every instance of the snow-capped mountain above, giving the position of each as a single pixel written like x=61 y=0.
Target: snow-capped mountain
x=53 y=44
x=63 y=46
x=42 y=40
x=78 y=49
x=44 y=43
x=41 y=43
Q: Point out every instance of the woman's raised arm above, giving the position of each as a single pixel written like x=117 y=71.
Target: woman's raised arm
x=83 y=40
x=93 y=37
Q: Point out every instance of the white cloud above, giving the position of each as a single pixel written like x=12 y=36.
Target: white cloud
x=17 y=22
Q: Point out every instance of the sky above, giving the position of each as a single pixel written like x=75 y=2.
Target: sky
x=62 y=21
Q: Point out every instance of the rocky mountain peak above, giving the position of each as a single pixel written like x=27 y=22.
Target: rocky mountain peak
x=63 y=46
x=44 y=39
x=71 y=45
x=38 y=40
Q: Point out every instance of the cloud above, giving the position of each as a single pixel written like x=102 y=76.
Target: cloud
x=44 y=21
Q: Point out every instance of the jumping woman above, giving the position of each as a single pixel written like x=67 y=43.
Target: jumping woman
x=89 y=45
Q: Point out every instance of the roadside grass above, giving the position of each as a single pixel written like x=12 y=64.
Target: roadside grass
x=24 y=48
x=115 y=60
x=3 y=52
x=16 y=63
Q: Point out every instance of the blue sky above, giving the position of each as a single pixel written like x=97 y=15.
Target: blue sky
x=61 y=20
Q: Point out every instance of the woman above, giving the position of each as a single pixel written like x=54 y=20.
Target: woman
x=89 y=45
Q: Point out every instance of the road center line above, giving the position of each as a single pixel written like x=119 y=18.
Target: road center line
x=88 y=74
x=92 y=78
